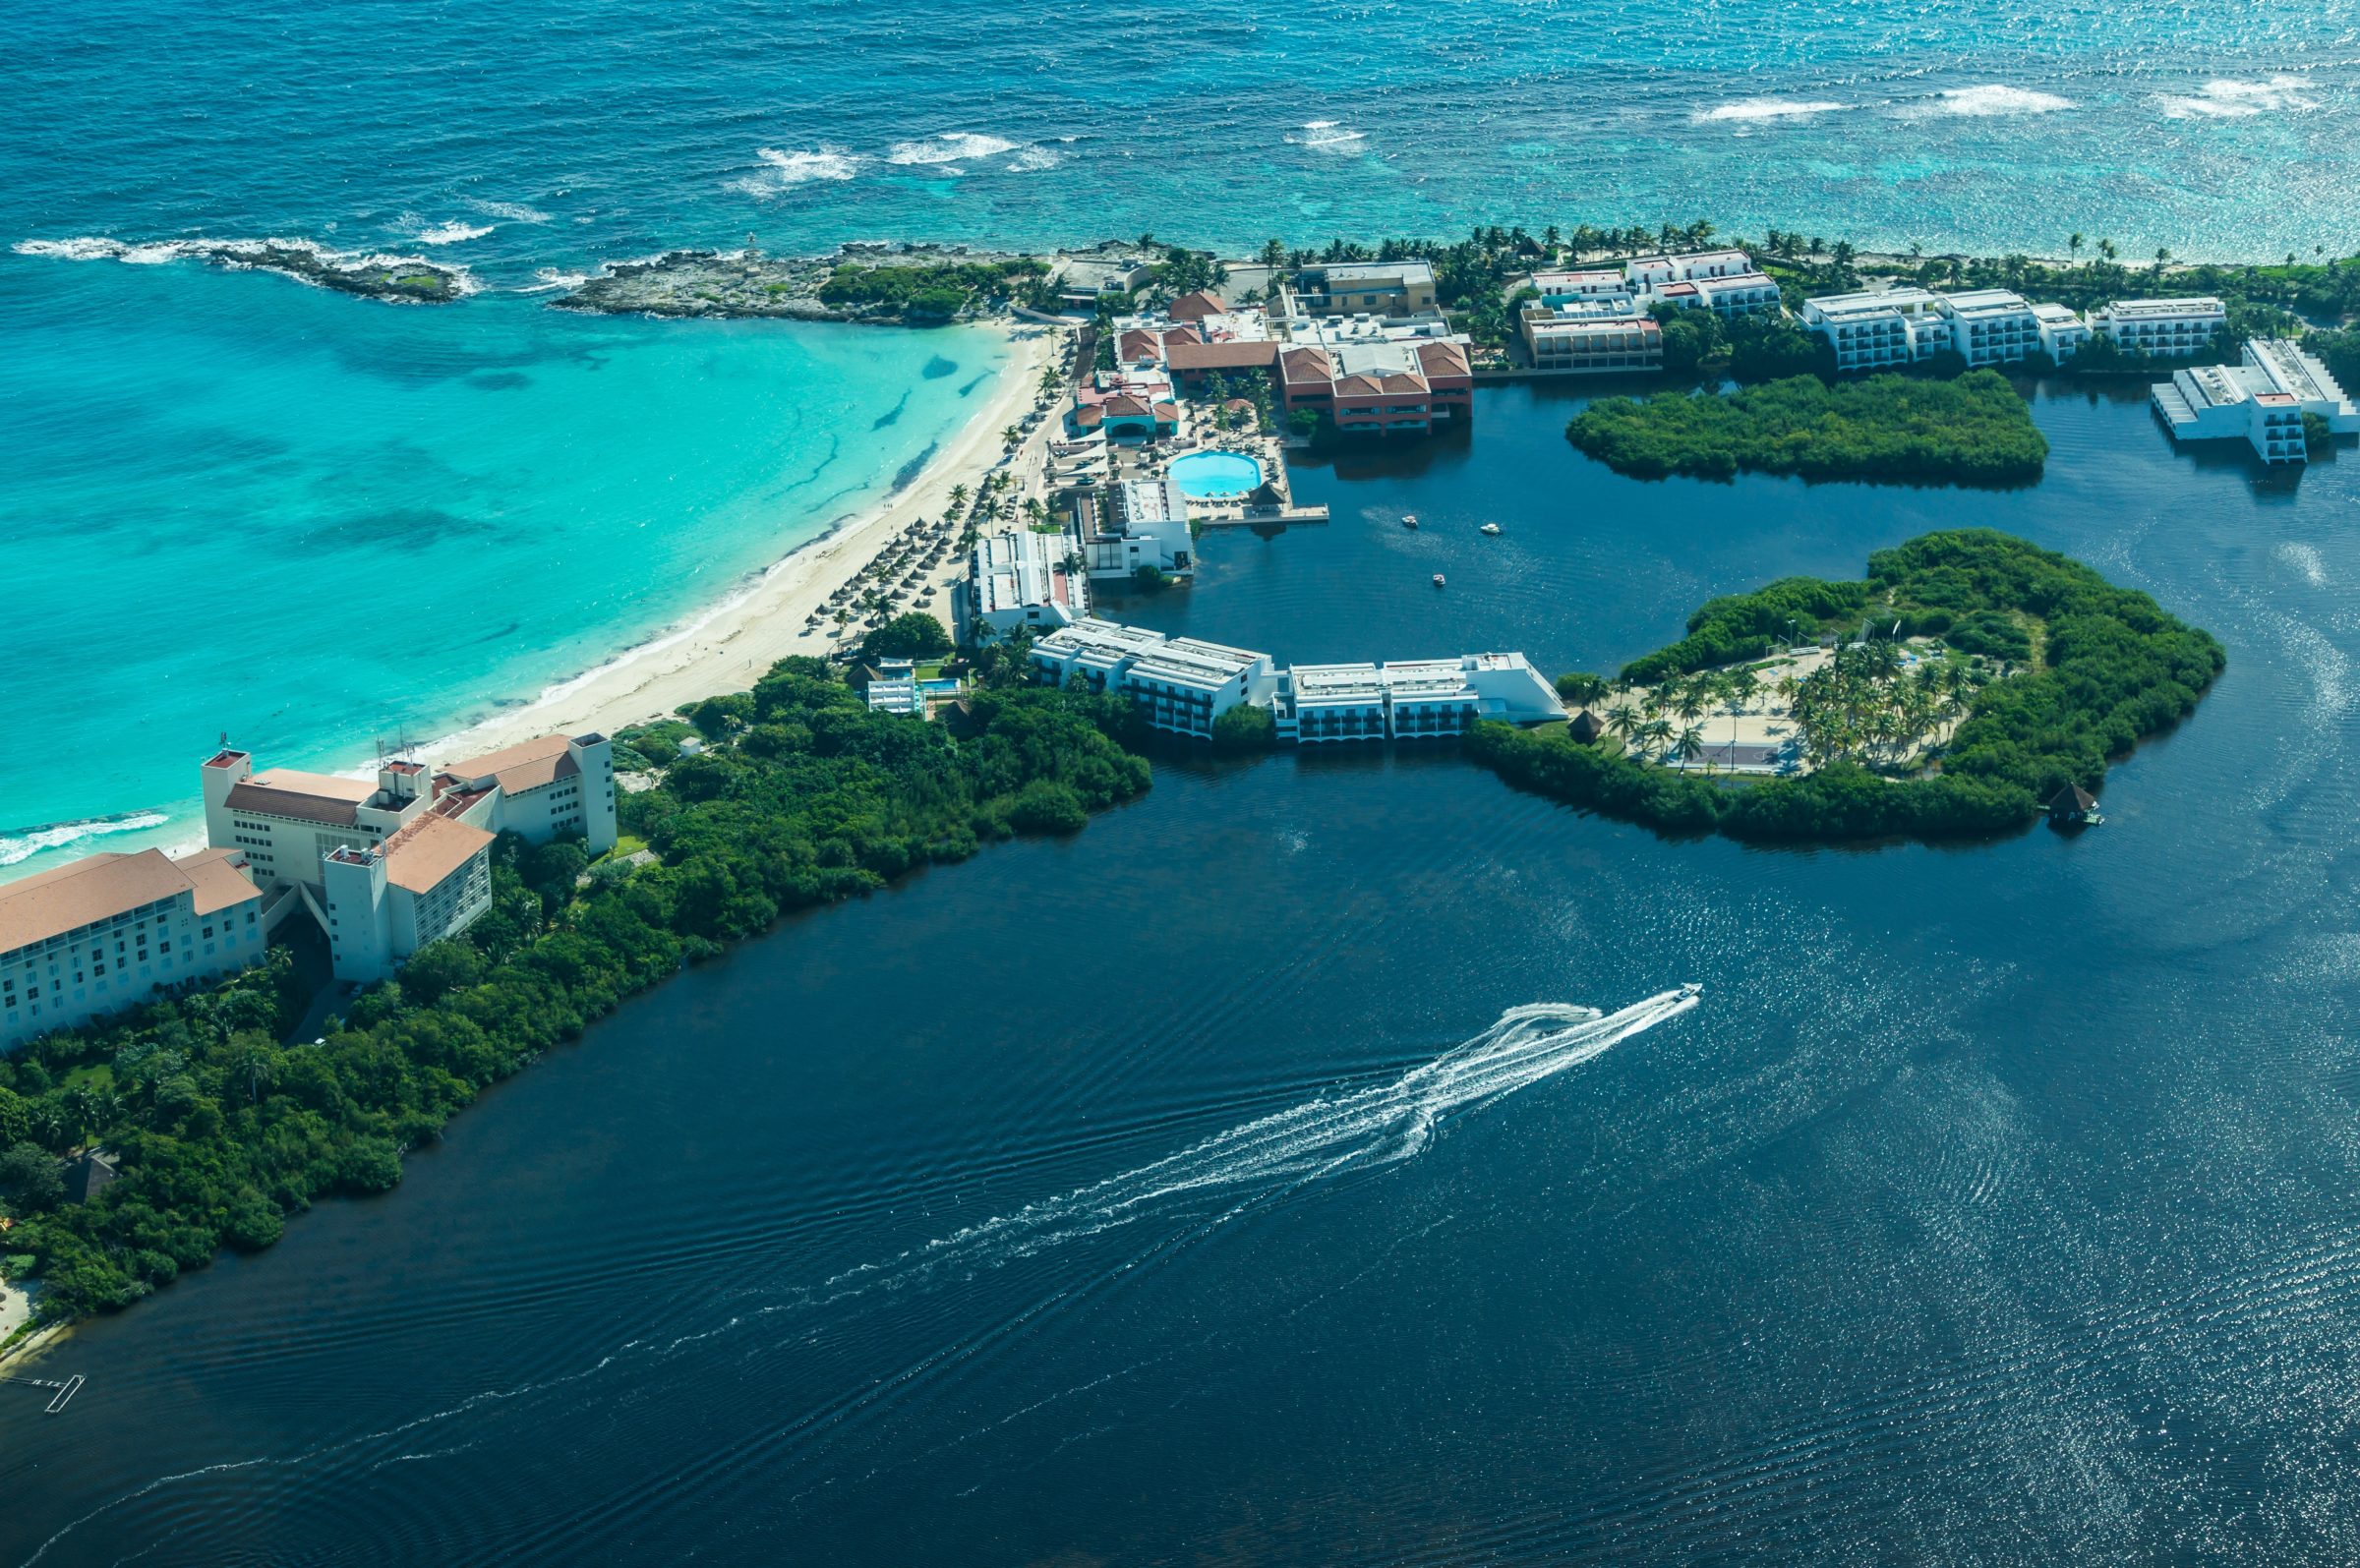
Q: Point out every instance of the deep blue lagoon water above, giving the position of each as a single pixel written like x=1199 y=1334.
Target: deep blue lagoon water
x=190 y=454
x=1994 y=1206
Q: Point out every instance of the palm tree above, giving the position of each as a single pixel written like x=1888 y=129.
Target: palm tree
x=1653 y=734
x=1689 y=744
x=2105 y=248
x=2074 y=243
x=2162 y=255
x=1583 y=689
x=1689 y=701
x=1622 y=719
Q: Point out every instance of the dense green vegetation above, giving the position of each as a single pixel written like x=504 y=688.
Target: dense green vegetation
x=223 y=1130
x=1973 y=431
x=2106 y=667
x=912 y=634
x=934 y=291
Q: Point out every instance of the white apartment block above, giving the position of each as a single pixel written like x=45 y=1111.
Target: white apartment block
x=1411 y=699
x=1583 y=283
x=387 y=901
x=557 y=786
x=2161 y=327
x=1737 y=294
x=108 y=931
x=2263 y=399
x=1880 y=329
x=1991 y=327
x=1181 y=683
x=1018 y=578
x=1145 y=526
x=1647 y=273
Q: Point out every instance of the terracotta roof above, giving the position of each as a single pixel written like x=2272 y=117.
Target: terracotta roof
x=423 y=854
x=1447 y=359
x=305 y=797
x=1221 y=356
x=527 y=765
x=1305 y=365
x=1174 y=336
x=1236 y=403
x=1124 y=403
x=1089 y=416
x=1196 y=305
x=217 y=879
x=101 y=885
x=1136 y=345
x=1359 y=387
x=1167 y=411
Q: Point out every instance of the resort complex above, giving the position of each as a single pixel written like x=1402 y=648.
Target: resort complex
x=2265 y=399
x=1182 y=685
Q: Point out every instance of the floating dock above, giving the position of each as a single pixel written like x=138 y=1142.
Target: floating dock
x=60 y=1392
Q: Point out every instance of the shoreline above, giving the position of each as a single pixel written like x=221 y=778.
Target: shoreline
x=726 y=644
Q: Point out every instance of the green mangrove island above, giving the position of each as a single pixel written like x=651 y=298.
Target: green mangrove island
x=1975 y=430
x=1963 y=683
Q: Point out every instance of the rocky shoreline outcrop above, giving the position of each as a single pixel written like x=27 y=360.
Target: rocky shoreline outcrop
x=396 y=279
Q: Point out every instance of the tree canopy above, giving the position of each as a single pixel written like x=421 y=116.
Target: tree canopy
x=2109 y=666
x=1973 y=431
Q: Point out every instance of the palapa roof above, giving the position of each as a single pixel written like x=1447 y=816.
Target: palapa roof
x=1585 y=727
x=2073 y=797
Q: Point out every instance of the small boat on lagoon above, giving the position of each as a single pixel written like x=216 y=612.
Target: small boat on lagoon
x=1438 y=579
x=1409 y=519
x=1489 y=528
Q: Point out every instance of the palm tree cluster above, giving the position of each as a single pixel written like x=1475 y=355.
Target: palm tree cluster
x=1647 y=727
x=1865 y=705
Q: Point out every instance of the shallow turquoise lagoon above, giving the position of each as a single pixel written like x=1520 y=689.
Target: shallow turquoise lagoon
x=235 y=504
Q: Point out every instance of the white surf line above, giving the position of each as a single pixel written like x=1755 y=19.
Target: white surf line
x=1376 y=1125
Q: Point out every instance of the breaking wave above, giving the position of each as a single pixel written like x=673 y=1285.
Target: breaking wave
x=784 y=170
x=1031 y=160
x=1331 y=137
x=1990 y=101
x=2240 y=100
x=452 y=233
x=243 y=254
x=513 y=211
x=1748 y=110
x=950 y=146
x=20 y=845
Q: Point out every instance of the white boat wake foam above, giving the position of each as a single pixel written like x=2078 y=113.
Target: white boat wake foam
x=1361 y=1129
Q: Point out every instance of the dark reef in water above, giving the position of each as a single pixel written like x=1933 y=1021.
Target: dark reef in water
x=891 y=415
x=907 y=475
x=937 y=368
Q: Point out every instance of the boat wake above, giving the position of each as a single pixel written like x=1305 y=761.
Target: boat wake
x=1202 y=1186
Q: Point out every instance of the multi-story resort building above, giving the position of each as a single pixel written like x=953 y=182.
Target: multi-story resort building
x=1381 y=288
x=302 y=835
x=1182 y=685
x=2167 y=329
x=386 y=901
x=1886 y=327
x=2263 y=399
x=1409 y=700
x=1878 y=329
x=1082 y=281
x=1019 y=579
x=104 y=932
x=1592 y=335
x=1583 y=283
x=1145 y=524
x=1646 y=274
x=1370 y=376
x=1737 y=294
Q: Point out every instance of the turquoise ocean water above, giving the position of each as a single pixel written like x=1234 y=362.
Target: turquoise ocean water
x=231 y=502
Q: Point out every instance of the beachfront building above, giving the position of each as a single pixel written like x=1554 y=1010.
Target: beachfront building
x=1409 y=700
x=1649 y=274
x=101 y=933
x=890 y=686
x=1879 y=330
x=1145 y=524
x=1398 y=289
x=557 y=786
x=2165 y=328
x=2263 y=399
x=1377 y=378
x=1018 y=578
x=383 y=901
x=1991 y=327
x=1182 y=684
x=1737 y=294
x=1596 y=337
x=286 y=822
x=1236 y=360
x=1081 y=281
x=1583 y=283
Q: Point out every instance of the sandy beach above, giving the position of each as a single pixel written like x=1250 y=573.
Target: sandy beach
x=727 y=646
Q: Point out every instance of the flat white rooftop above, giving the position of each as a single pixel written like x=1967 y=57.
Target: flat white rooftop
x=1870 y=303
x=2193 y=305
x=1986 y=302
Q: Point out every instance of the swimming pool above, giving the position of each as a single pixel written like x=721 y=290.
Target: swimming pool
x=1204 y=475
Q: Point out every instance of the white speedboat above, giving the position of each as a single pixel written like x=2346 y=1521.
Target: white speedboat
x=1489 y=528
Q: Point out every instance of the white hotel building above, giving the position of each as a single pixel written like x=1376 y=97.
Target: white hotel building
x=105 y=932
x=2167 y=329
x=1184 y=685
x=313 y=840
x=1019 y=579
x=1886 y=327
x=2263 y=399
